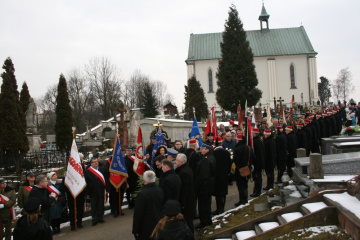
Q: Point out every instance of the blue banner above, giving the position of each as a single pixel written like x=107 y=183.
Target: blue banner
x=160 y=140
x=194 y=131
x=118 y=163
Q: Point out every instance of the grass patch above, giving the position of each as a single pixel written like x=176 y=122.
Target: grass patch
x=238 y=217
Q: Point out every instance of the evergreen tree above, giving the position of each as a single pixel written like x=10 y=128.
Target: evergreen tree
x=195 y=98
x=149 y=104
x=25 y=97
x=324 y=89
x=236 y=74
x=64 y=120
x=20 y=124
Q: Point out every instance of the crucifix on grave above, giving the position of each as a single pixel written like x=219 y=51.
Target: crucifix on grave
x=281 y=106
x=275 y=108
x=123 y=131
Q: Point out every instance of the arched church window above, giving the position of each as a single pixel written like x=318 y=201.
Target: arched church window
x=292 y=76
x=210 y=81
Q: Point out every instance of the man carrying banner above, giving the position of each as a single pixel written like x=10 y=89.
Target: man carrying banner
x=75 y=185
x=7 y=214
x=132 y=176
x=117 y=177
x=96 y=186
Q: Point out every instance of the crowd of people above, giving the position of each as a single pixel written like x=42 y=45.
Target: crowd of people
x=188 y=176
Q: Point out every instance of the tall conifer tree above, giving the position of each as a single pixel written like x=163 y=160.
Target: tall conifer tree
x=20 y=123
x=149 y=104
x=25 y=97
x=195 y=98
x=64 y=120
x=236 y=74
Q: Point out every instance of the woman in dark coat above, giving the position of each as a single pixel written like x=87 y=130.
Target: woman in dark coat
x=56 y=209
x=222 y=171
x=32 y=225
x=173 y=225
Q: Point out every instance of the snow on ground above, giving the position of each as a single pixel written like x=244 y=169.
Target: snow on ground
x=291 y=216
x=295 y=194
x=316 y=231
x=245 y=234
x=291 y=187
x=347 y=201
x=315 y=206
x=339 y=178
x=265 y=226
x=275 y=207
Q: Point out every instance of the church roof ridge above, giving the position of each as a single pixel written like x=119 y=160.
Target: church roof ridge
x=276 y=42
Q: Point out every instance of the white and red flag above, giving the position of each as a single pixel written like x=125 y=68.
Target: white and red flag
x=74 y=179
x=213 y=122
x=139 y=166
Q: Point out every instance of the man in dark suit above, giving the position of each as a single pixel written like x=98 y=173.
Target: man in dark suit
x=170 y=182
x=148 y=207
x=187 y=194
x=96 y=185
x=291 y=150
x=259 y=162
x=46 y=198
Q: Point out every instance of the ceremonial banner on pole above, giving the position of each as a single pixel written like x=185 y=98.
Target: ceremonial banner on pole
x=139 y=165
x=194 y=131
x=240 y=123
x=74 y=179
x=159 y=141
x=249 y=139
x=117 y=169
x=207 y=129
x=213 y=123
x=268 y=113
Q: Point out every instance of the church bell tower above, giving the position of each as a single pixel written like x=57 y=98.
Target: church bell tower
x=264 y=17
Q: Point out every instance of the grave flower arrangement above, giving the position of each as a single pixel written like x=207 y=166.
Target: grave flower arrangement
x=349 y=130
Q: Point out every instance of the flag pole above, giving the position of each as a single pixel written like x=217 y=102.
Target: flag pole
x=75 y=222
x=119 y=201
x=194 y=112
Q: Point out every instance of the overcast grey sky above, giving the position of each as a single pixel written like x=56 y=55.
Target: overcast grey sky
x=45 y=38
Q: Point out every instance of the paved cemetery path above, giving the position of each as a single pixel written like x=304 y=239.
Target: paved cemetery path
x=120 y=228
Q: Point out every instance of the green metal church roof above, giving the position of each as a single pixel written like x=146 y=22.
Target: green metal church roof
x=273 y=42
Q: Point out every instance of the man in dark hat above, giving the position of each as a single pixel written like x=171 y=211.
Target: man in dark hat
x=210 y=140
x=7 y=213
x=25 y=188
x=205 y=184
x=171 y=155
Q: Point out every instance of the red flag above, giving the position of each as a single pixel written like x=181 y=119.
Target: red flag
x=213 y=123
x=240 y=125
x=208 y=128
x=139 y=165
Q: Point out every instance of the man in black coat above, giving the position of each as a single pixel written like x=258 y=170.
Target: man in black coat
x=270 y=148
x=170 y=182
x=291 y=150
x=148 y=207
x=309 y=136
x=95 y=187
x=243 y=156
x=187 y=193
x=259 y=162
x=222 y=171
x=333 y=124
x=281 y=152
x=132 y=179
x=315 y=139
x=328 y=131
x=205 y=184
x=40 y=191
x=301 y=136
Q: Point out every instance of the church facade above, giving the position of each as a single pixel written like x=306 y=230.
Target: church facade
x=284 y=59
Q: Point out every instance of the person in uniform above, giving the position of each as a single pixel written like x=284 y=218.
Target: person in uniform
x=243 y=156
x=222 y=171
x=281 y=152
x=25 y=188
x=7 y=213
x=171 y=155
x=301 y=136
x=205 y=184
x=210 y=140
x=259 y=162
x=270 y=148
x=187 y=193
x=291 y=149
x=309 y=136
x=96 y=186
x=149 y=206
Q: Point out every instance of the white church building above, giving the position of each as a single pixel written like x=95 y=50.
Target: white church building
x=284 y=59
